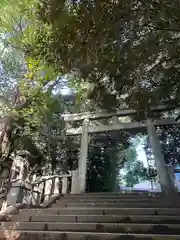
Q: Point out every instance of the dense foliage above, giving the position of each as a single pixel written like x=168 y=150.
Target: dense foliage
x=104 y=161
x=114 y=53
x=126 y=51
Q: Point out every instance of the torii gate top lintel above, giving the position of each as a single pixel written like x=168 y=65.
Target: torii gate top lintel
x=117 y=126
x=105 y=115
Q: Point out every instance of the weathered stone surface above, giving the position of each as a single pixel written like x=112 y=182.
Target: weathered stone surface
x=131 y=195
x=97 y=217
x=94 y=227
x=101 y=211
x=115 y=199
x=4 y=215
x=41 y=235
x=116 y=205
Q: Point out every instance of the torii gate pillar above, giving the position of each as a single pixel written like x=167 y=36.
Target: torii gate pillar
x=82 y=165
x=166 y=183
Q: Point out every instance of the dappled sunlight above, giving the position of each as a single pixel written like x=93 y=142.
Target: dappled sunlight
x=89 y=120
x=10 y=231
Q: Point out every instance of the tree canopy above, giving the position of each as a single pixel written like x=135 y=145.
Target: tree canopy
x=125 y=51
x=114 y=54
x=104 y=44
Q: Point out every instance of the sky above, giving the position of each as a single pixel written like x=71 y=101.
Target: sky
x=65 y=90
x=141 y=155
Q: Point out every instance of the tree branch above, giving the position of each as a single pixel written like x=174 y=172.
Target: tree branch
x=167 y=29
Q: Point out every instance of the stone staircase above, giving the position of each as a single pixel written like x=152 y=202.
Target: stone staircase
x=98 y=216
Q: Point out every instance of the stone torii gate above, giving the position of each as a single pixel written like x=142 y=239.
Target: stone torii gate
x=79 y=175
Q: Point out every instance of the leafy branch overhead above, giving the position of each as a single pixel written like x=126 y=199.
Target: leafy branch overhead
x=113 y=53
x=105 y=44
x=127 y=51
x=26 y=85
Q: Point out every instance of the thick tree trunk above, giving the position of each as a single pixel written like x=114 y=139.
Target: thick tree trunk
x=167 y=185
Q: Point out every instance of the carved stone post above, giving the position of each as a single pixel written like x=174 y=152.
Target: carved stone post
x=82 y=166
x=167 y=185
x=48 y=187
x=56 y=186
x=21 y=172
x=74 y=183
x=64 y=185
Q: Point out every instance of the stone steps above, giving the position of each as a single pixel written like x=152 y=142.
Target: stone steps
x=99 y=216
x=101 y=211
x=49 y=235
x=99 y=219
x=172 y=229
x=121 y=193
x=112 y=200
x=109 y=202
x=112 y=196
x=116 y=205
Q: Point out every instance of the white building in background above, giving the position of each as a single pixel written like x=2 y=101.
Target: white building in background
x=144 y=185
x=147 y=186
x=155 y=186
x=177 y=175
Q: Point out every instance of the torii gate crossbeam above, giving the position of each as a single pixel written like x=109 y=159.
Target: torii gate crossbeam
x=105 y=115
x=119 y=127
